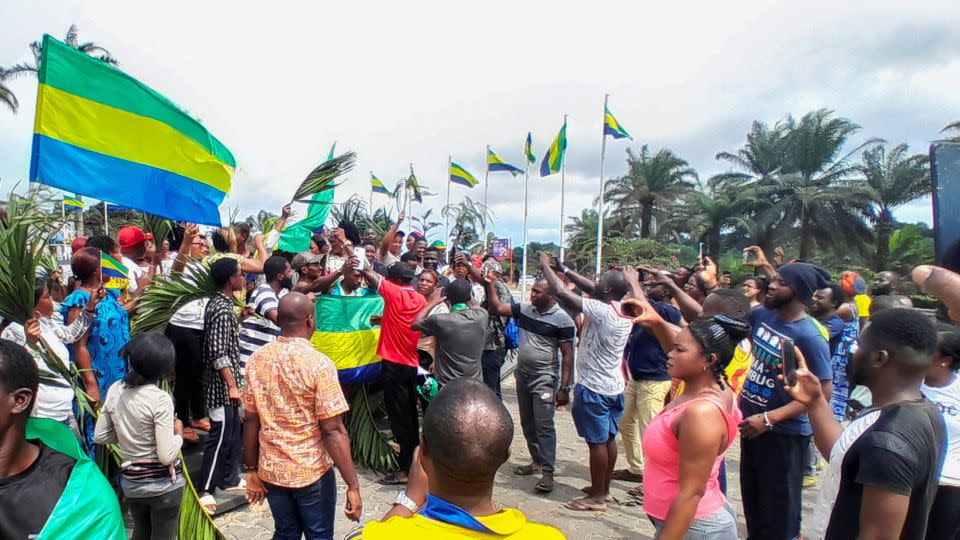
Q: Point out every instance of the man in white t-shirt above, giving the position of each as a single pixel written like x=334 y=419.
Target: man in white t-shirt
x=598 y=395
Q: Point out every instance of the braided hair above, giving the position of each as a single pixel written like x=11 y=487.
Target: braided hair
x=719 y=335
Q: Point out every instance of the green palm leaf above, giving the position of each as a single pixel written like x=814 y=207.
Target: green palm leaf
x=168 y=293
x=322 y=177
x=368 y=446
x=158 y=226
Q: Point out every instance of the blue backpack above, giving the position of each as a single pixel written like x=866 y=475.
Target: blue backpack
x=511 y=332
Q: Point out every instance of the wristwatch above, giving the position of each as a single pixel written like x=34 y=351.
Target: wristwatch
x=406 y=502
x=565 y=389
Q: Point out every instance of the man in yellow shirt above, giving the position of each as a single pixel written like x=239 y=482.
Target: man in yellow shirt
x=466 y=437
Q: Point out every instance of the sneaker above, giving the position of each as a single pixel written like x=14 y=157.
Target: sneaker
x=810 y=481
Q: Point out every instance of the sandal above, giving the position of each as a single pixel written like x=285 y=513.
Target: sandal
x=392 y=480
x=636 y=492
x=608 y=498
x=527 y=470
x=544 y=485
x=585 y=505
x=209 y=503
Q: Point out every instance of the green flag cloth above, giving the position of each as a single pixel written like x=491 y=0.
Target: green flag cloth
x=296 y=237
x=88 y=506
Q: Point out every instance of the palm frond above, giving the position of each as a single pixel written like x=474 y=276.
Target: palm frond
x=322 y=177
x=368 y=446
x=158 y=226
x=24 y=236
x=168 y=293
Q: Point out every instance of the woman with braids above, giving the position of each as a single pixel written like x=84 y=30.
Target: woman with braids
x=942 y=386
x=685 y=443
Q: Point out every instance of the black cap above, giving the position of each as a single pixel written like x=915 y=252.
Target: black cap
x=401 y=272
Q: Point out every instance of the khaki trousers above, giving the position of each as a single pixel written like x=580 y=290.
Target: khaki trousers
x=642 y=401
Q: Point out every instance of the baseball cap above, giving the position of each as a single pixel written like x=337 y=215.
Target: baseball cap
x=400 y=271
x=132 y=236
x=78 y=243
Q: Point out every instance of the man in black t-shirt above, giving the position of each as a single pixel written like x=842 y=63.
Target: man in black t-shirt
x=884 y=466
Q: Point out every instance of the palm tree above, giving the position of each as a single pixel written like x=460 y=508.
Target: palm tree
x=705 y=214
x=33 y=68
x=582 y=238
x=650 y=182
x=812 y=191
x=6 y=94
x=71 y=40
x=759 y=159
x=954 y=126
x=424 y=223
x=892 y=178
x=468 y=218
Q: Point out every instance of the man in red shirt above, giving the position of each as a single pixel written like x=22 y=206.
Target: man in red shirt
x=398 y=370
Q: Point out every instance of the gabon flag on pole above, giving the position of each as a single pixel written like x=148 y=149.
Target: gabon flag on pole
x=101 y=133
x=553 y=159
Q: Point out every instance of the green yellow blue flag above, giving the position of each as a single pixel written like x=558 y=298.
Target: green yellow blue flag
x=377 y=186
x=104 y=134
x=553 y=159
x=459 y=175
x=296 y=238
x=345 y=335
x=414 y=187
x=495 y=164
x=612 y=127
x=72 y=203
x=528 y=149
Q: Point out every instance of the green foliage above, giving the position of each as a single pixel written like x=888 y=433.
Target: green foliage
x=909 y=247
x=467 y=219
x=169 y=292
x=25 y=231
x=322 y=177
x=368 y=446
x=158 y=226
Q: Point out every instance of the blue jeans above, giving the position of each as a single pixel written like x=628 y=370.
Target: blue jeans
x=306 y=511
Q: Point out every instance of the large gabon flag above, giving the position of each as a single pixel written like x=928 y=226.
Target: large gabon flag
x=99 y=132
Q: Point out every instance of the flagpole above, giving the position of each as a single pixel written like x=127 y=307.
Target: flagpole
x=106 y=220
x=563 y=183
x=486 y=185
x=370 y=208
x=446 y=216
x=603 y=155
x=526 y=184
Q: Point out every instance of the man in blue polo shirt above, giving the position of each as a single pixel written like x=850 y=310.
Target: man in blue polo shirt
x=775 y=431
x=648 y=385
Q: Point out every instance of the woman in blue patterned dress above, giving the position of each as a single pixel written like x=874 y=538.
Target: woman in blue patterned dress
x=97 y=354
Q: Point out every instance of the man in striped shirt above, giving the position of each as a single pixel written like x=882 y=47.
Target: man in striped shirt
x=260 y=327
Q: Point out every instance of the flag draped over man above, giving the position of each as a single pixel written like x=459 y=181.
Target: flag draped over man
x=101 y=133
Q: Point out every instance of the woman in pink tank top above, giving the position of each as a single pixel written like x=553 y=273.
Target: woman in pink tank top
x=685 y=443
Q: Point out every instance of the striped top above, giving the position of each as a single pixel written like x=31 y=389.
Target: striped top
x=257 y=330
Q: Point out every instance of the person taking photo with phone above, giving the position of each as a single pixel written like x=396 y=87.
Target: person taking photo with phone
x=775 y=432
x=884 y=467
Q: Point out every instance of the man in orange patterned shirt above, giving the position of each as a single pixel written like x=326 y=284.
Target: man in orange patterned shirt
x=293 y=432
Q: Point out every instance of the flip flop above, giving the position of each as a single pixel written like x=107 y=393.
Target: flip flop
x=582 y=505
x=392 y=480
x=209 y=504
x=586 y=489
x=527 y=470
x=636 y=492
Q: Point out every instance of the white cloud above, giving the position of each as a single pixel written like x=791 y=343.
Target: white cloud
x=417 y=82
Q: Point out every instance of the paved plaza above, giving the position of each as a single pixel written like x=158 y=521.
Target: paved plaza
x=623 y=520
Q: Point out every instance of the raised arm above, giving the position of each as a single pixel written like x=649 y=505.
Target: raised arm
x=760 y=261
x=495 y=306
x=391 y=234
x=567 y=298
x=581 y=282
x=190 y=233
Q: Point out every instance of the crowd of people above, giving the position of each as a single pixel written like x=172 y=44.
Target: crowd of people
x=679 y=363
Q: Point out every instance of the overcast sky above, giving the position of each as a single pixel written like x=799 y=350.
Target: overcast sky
x=414 y=82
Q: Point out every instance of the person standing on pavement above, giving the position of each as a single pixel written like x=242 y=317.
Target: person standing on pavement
x=222 y=380
x=293 y=430
x=460 y=334
x=545 y=329
x=775 y=432
x=495 y=349
x=398 y=370
x=598 y=396
x=649 y=383
x=261 y=327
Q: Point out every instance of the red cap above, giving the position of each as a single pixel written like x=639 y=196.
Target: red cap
x=78 y=243
x=132 y=236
